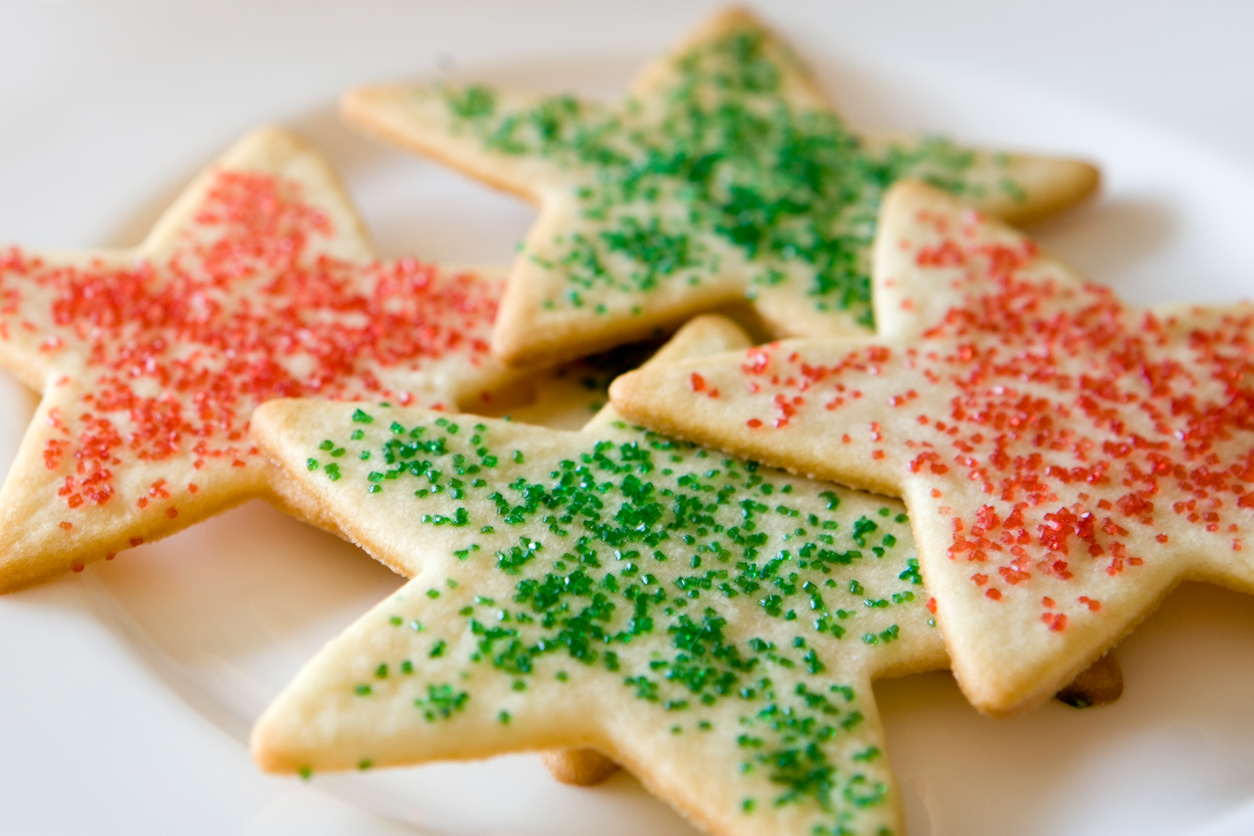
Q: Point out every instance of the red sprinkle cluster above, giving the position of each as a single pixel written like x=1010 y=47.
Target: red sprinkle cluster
x=1050 y=390
x=247 y=308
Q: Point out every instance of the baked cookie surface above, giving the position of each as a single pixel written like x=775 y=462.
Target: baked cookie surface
x=1067 y=459
x=259 y=282
x=725 y=175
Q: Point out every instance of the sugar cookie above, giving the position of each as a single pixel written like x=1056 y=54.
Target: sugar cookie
x=724 y=175
x=259 y=282
x=712 y=625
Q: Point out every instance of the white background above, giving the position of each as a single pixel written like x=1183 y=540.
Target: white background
x=106 y=108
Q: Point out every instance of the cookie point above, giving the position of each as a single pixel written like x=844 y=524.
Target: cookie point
x=579 y=767
x=355 y=99
x=265 y=758
x=1085 y=177
x=730 y=17
x=273 y=411
x=267 y=750
x=23 y=569
x=265 y=142
x=624 y=387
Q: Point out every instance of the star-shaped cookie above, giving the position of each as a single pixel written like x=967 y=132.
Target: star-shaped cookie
x=725 y=175
x=259 y=282
x=1067 y=459
x=712 y=625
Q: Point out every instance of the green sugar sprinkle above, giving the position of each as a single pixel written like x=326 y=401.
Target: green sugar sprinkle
x=441 y=702
x=717 y=160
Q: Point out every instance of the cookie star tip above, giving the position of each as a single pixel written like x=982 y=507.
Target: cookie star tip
x=1057 y=184
x=701 y=336
x=269 y=749
x=906 y=300
x=733 y=17
x=265 y=142
x=721 y=23
x=278 y=152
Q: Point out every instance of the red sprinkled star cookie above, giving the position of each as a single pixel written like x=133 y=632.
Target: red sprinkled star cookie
x=1066 y=459
x=258 y=283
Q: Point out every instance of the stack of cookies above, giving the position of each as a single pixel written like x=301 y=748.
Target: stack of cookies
x=885 y=434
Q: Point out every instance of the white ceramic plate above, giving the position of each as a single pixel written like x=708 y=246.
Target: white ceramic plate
x=222 y=615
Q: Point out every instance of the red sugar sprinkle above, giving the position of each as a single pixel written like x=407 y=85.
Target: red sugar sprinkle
x=1057 y=622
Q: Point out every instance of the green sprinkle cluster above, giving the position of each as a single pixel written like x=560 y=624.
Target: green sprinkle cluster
x=643 y=557
x=719 y=162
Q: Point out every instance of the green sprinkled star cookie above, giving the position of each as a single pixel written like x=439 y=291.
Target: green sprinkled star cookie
x=1067 y=459
x=724 y=175
x=712 y=625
